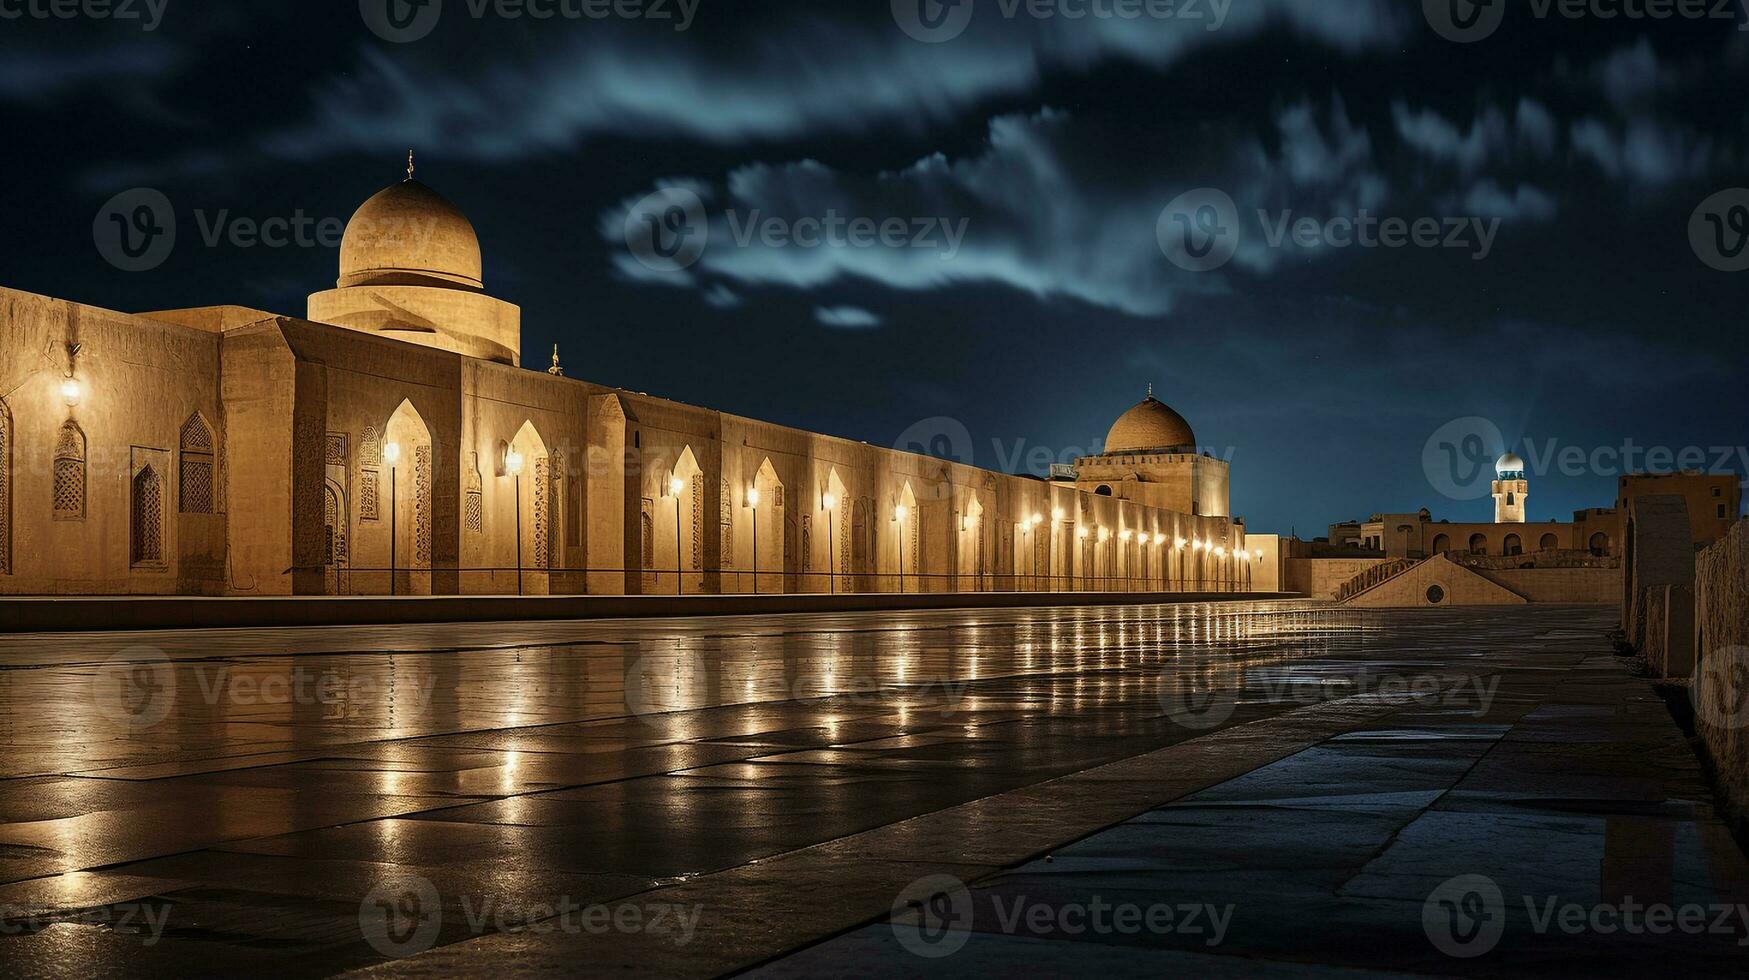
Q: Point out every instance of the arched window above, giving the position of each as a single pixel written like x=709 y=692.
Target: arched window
x=1478 y=544
x=1514 y=545
x=1103 y=491
x=1549 y=543
x=70 y=473
x=148 y=519
x=1441 y=544
x=198 y=483
x=334 y=518
x=5 y=490
x=1600 y=544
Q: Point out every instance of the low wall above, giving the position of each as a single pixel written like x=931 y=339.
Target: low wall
x=177 y=612
x=1579 y=586
x=1720 y=687
x=1319 y=578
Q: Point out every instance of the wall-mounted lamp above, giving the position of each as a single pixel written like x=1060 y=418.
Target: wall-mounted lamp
x=70 y=391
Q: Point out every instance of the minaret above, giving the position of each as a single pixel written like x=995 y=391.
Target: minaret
x=1510 y=490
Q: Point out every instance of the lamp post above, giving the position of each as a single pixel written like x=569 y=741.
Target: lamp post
x=391 y=456
x=899 y=517
x=513 y=466
x=753 y=502
x=675 y=485
x=831 y=504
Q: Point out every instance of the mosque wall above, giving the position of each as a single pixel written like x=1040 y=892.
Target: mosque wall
x=1183 y=482
x=299 y=419
x=90 y=493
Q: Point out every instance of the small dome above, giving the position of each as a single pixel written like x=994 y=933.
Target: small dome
x=1150 y=425
x=1509 y=463
x=410 y=235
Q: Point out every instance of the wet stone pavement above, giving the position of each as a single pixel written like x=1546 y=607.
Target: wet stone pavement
x=1236 y=790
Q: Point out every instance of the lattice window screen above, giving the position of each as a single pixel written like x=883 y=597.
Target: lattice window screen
x=69 y=474
x=148 y=518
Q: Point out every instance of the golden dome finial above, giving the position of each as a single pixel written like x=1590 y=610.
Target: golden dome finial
x=409 y=164
x=1150 y=389
x=555 y=370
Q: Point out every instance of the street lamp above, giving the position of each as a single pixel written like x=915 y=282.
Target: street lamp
x=753 y=503
x=899 y=512
x=513 y=466
x=675 y=485
x=831 y=504
x=391 y=456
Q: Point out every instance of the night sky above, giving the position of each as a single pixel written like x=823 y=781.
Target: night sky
x=1322 y=372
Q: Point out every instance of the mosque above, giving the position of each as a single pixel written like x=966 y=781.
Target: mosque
x=389 y=442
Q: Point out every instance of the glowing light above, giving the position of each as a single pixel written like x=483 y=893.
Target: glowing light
x=675 y=485
x=899 y=512
x=1037 y=519
x=1057 y=514
x=1124 y=536
x=70 y=392
x=1182 y=543
x=1082 y=533
x=392 y=453
x=752 y=496
x=829 y=501
x=513 y=462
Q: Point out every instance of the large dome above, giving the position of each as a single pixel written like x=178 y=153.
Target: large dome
x=1150 y=425
x=410 y=235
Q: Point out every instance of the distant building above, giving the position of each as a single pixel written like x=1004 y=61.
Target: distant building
x=1511 y=490
x=1714 y=500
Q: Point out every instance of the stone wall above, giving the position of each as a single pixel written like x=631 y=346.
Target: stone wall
x=92 y=479
x=1319 y=578
x=1579 y=586
x=1720 y=687
x=308 y=501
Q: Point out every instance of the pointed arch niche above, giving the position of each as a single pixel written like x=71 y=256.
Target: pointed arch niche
x=768 y=515
x=536 y=518
x=971 y=546
x=677 y=521
x=408 y=465
x=907 y=538
x=834 y=533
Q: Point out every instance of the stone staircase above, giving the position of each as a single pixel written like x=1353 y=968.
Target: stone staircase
x=1375 y=576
